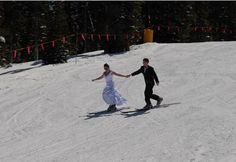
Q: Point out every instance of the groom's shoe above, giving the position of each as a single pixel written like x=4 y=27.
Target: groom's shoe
x=148 y=106
x=159 y=101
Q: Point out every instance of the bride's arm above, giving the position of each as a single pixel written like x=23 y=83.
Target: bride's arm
x=98 y=77
x=120 y=75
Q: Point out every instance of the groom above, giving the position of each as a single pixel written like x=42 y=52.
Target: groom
x=149 y=77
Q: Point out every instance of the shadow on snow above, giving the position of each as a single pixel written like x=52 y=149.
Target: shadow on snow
x=127 y=114
x=134 y=113
x=18 y=70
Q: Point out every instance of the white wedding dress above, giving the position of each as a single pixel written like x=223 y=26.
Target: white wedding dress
x=110 y=95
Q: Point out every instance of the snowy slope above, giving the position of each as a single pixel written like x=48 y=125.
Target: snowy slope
x=43 y=109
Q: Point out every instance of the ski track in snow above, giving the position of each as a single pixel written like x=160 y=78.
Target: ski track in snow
x=44 y=109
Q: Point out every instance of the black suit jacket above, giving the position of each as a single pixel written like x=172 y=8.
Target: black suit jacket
x=149 y=74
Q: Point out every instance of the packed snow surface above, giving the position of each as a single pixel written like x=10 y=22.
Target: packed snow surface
x=51 y=113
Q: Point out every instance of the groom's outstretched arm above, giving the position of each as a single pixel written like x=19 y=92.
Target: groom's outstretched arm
x=137 y=72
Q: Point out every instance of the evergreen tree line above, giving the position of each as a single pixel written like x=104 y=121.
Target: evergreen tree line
x=31 y=23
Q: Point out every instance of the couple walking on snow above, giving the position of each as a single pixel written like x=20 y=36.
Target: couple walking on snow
x=113 y=98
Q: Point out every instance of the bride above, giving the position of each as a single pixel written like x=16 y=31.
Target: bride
x=110 y=95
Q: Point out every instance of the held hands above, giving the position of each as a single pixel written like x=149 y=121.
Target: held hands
x=127 y=76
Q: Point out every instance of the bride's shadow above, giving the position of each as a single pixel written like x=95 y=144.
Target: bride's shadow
x=142 y=112
x=102 y=113
x=98 y=114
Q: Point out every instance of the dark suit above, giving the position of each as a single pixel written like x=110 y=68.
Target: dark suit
x=150 y=77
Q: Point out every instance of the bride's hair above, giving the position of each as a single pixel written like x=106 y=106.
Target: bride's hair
x=106 y=65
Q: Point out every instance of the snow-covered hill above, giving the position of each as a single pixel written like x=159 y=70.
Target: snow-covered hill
x=44 y=109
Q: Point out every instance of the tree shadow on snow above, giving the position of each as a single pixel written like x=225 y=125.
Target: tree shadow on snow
x=36 y=63
x=95 y=55
x=134 y=113
x=87 y=56
x=18 y=70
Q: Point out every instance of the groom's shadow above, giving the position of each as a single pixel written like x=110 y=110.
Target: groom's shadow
x=134 y=113
x=167 y=105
